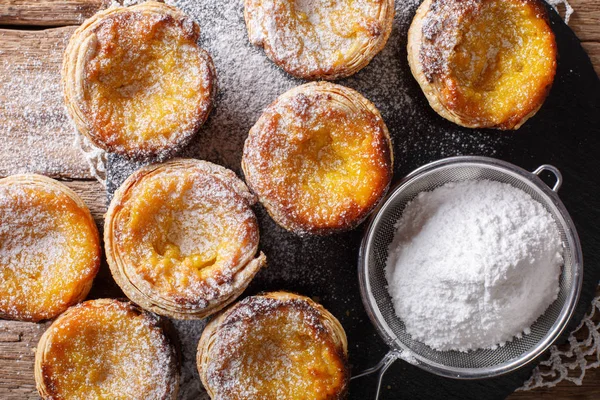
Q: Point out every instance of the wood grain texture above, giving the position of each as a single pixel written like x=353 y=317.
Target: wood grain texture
x=93 y=195
x=585 y=21
x=29 y=55
x=48 y=12
x=36 y=133
x=17 y=352
x=593 y=50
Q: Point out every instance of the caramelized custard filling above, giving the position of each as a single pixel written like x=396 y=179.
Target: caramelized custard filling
x=503 y=62
x=179 y=229
x=48 y=249
x=278 y=355
x=105 y=353
x=145 y=79
x=325 y=161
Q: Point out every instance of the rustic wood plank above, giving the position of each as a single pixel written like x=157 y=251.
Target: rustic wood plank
x=590 y=390
x=593 y=50
x=585 y=21
x=17 y=358
x=36 y=134
x=93 y=195
x=48 y=12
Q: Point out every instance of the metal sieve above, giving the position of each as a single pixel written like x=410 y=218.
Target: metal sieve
x=479 y=363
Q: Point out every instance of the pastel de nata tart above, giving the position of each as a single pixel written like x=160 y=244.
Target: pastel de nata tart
x=135 y=80
x=181 y=238
x=49 y=248
x=106 y=349
x=275 y=346
x=319 y=39
x=319 y=158
x=483 y=63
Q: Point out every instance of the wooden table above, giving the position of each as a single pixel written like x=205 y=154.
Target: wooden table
x=33 y=34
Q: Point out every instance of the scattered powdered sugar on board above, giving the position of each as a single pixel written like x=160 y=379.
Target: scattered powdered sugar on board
x=189 y=332
x=473 y=264
x=35 y=121
x=31 y=110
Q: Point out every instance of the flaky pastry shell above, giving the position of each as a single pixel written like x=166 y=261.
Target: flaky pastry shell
x=319 y=39
x=276 y=345
x=483 y=63
x=181 y=238
x=106 y=349
x=136 y=82
x=319 y=158
x=49 y=248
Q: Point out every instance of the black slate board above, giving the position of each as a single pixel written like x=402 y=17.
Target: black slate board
x=565 y=133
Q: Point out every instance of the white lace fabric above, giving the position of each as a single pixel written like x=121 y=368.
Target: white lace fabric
x=571 y=360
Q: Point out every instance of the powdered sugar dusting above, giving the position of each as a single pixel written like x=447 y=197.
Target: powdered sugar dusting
x=95 y=156
x=248 y=81
x=31 y=108
x=189 y=332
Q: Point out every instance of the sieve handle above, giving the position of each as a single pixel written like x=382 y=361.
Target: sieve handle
x=554 y=171
x=381 y=366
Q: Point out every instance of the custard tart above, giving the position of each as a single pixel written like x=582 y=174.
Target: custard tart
x=106 y=349
x=181 y=238
x=275 y=346
x=49 y=248
x=319 y=158
x=319 y=39
x=483 y=63
x=136 y=82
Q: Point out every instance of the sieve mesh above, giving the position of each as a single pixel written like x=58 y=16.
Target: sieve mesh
x=478 y=363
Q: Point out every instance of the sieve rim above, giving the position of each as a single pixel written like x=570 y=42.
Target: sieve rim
x=557 y=328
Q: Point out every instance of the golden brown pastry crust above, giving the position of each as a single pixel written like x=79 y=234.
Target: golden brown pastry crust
x=319 y=39
x=319 y=158
x=135 y=81
x=483 y=63
x=181 y=238
x=302 y=349
x=49 y=248
x=106 y=349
